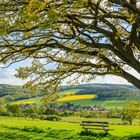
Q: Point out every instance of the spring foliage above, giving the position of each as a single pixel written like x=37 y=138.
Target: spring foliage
x=80 y=38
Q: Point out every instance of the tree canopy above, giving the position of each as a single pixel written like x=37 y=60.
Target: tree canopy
x=131 y=111
x=83 y=38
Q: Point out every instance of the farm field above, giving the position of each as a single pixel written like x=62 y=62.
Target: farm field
x=27 y=101
x=105 y=103
x=84 y=100
x=38 y=99
x=77 y=97
x=21 y=129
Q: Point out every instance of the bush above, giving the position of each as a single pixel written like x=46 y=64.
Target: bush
x=125 y=123
x=33 y=129
x=50 y=117
x=91 y=133
x=18 y=115
x=34 y=116
x=51 y=111
x=53 y=118
x=14 y=108
x=67 y=113
x=4 y=114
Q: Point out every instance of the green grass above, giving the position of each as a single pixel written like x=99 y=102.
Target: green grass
x=85 y=102
x=68 y=128
x=112 y=121
x=20 y=122
x=105 y=103
x=112 y=103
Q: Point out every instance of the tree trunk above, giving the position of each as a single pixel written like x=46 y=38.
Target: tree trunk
x=130 y=122
x=130 y=78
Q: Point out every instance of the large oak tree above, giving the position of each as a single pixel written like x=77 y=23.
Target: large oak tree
x=84 y=38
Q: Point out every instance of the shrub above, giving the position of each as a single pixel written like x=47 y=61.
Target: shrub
x=14 y=109
x=91 y=133
x=50 y=117
x=85 y=133
x=67 y=113
x=53 y=118
x=33 y=129
x=4 y=114
x=51 y=111
x=34 y=116
x=42 y=117
x=125 y=123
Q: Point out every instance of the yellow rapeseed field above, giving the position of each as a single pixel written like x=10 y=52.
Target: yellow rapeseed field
x=24 y=102
x=77 y=97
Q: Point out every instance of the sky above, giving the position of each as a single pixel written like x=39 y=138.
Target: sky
x=7 y=76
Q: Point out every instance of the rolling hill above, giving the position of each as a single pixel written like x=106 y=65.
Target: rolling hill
x=103 y=92
x=106 y=91
x=12 y=92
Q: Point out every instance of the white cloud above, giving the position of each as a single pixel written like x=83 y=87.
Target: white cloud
x=7 y=76
x=110 y=80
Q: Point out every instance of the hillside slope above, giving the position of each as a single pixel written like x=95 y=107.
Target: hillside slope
x=107 y=91
x=102 y=91
x=12 y=92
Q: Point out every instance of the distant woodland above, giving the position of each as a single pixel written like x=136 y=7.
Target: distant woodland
x=102 y=91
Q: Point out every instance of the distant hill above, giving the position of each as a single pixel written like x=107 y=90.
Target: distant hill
x=102 y=91
x=107 y=91
x=12 y=92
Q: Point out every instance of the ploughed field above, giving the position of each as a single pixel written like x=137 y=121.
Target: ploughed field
x=67 y=129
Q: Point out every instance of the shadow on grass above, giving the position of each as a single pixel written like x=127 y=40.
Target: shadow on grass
x=134 y=137
x=92 y=133
x=13 y=136
x=107 y=136
x=36 y=133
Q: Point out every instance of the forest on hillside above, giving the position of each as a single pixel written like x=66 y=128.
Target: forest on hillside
x=107 y=91
x=12 y=92
x=103 y=91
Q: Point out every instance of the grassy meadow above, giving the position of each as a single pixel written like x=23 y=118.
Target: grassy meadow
x=68 y=128
x=62 y=130
x=105 y=103
x=82 y=101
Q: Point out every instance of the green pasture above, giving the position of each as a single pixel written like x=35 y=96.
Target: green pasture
x=83 y=102
x=105 y=103
x=112 y=121
x=110 y=103
x=68 y=128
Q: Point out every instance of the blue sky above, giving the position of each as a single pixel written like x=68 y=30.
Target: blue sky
x=7 y=76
